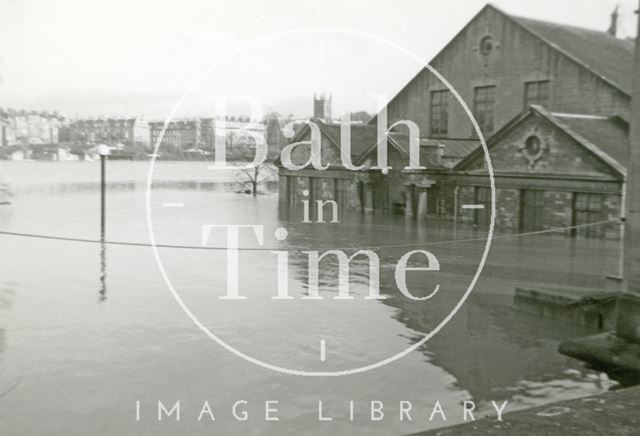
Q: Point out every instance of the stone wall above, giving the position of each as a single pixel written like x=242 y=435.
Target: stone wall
x=562 y=155
x=612 y=211
x=558 y=209
x=508 y=209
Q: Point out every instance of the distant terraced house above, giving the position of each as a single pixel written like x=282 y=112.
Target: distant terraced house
x=23 y=127
x=553 y=102
x=116 y=130
x=183 y=134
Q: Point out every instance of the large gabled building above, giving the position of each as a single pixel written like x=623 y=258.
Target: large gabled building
x=553 y=102
x=500 y=64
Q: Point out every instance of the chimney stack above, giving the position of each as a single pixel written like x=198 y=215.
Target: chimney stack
x=613 y=27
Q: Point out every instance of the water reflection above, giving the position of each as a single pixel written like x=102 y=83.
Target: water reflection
x=7 y=382
x=186 y=185
x=103 y=272
x=6 y=300
x=497 y=353
x=491 y=350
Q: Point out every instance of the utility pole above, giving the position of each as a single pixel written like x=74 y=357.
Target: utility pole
x=103 y=151
x=628 y=323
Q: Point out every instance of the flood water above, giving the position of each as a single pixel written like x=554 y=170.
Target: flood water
x=86 y=331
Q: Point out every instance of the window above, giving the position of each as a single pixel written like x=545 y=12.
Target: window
x=486 y=45
x=439 y=112
x=587 y=209
x=532 y=145
x=536 y=93
x=483 y=101
x=531 y=210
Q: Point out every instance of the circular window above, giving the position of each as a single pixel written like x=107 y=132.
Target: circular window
x=486 y=45
x=532 y=145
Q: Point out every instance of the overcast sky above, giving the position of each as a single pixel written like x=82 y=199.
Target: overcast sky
x=88 y=58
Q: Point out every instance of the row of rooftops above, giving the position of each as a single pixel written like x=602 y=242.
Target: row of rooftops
x=9 y=113
x=101 y=121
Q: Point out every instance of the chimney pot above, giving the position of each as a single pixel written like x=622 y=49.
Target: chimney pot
x=613 y=27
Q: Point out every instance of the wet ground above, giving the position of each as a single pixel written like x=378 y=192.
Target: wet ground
x=80 y=344
x=580 y=416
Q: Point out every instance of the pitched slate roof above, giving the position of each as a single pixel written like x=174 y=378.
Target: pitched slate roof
x=610 y=134
x=453 y=148
x=364 y=139
x=426 y=157
x=606 y=56
x=363 y=136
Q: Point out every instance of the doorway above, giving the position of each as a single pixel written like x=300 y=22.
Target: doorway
x=531 y=210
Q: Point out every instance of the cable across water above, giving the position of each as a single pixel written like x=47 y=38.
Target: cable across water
x=204 y=247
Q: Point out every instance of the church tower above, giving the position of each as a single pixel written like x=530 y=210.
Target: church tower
x=322 y=107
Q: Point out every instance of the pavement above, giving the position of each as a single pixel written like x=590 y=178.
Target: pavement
x=612 y=413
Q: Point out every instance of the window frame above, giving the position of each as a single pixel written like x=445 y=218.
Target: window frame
x=584 y=211
x=439 y=113
x=484 y=107
x=528 y=101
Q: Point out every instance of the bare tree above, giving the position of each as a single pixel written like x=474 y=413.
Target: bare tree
x=254 y=176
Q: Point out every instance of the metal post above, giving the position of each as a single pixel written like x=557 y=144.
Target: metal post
x=102 y=195
x=103 y=152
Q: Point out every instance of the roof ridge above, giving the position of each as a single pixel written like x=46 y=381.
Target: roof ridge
x=582 y=116
x=566 y=25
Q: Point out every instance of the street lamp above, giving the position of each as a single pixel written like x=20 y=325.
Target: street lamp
x=103 y=152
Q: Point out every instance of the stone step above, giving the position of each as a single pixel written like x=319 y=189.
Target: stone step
x=588 y=307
